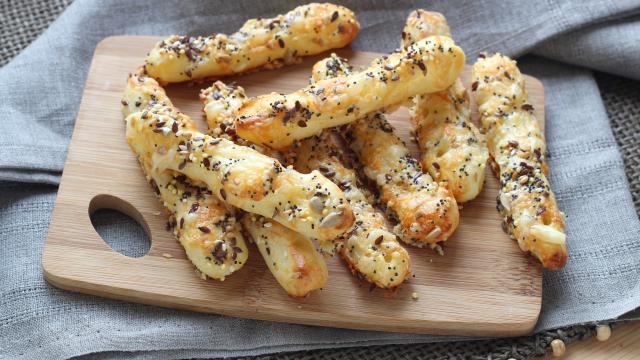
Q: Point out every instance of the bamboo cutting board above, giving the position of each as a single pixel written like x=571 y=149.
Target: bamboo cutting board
x=484 y=285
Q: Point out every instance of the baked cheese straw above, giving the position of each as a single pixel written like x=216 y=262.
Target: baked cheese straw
x=260 y=43
x=203 y=225
x=517 y=146
x=277 y=120
x=290 y=256
x=369 y=249
x=238 y=175
x=451 y=147
x=426 y=212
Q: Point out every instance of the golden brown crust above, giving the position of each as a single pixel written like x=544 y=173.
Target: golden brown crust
x=203 y=225
x=370 y=250
x=518 y=149
x=238 y=175
x=421 y=24
x=426 y=212
x=278 y=120
x=260 y=43
x=290 y=256
x=452 y=149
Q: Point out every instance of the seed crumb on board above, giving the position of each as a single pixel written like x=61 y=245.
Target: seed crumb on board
x=167 y=256
x=414 y=296
x=202 y=275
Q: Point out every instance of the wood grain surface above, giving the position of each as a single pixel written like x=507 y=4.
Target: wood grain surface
x=484 y=285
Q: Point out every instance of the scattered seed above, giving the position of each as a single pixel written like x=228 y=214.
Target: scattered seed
x=603 y=332
x=558 y=347
x=434 y=233
x=316 y=204
x=331 y=220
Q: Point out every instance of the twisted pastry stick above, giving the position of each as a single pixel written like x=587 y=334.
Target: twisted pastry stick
x=277 y=120
x=452 y=148
x=518 y=149
x=267 y=43
x=291 y=257
x=239 y=175
x=203 y=225
x=427 y=212
x=369 y=249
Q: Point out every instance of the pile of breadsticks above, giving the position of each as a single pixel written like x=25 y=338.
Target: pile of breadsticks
x=273 y=170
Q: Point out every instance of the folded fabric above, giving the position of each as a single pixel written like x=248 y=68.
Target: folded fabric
x=41 y=92
x=607 y=47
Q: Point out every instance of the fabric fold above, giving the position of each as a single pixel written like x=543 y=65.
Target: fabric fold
x=605 y=47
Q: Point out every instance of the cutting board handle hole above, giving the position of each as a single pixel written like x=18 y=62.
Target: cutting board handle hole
x=120 y=225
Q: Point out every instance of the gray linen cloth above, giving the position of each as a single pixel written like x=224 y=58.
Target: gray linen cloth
x=41 y=90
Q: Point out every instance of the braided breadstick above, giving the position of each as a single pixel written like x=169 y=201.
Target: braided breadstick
x=278 y=120
x=452 y=148
x=427 y=213
x=270 y=43
x=239 y=175
x=221 y=103
x=290 y=256
x=203 y=225
x=369 y=249
x=517 y=146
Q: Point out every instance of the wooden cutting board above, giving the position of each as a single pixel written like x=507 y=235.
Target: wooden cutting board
x=484 y=285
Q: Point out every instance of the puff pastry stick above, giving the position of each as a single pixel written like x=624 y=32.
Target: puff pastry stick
x=203 y=225
x=290 y=256
x=278 y=120
x=260 y=43
x=426 y=212
x=238 y=175
x=452 y=149
x=220 y=105
x=518 y=149
x=370 y=250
